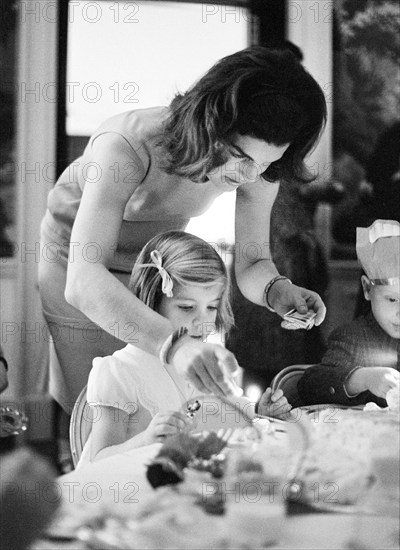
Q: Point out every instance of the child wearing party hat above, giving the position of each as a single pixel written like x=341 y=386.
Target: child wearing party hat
x=362 y=362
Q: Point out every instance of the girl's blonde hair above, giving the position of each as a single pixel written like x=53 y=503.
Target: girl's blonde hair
x=188 y=260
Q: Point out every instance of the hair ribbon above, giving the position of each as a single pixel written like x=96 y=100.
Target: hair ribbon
x=167 y=282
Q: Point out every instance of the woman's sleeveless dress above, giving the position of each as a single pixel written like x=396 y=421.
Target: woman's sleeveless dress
x=76 y=339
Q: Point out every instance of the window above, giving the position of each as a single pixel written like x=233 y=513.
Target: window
x=133 y=55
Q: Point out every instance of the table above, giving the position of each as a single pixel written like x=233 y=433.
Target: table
x=334 y=531
x=120 y=482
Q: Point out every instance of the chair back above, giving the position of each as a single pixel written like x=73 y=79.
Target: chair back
x=286 y=380
x=80 y=426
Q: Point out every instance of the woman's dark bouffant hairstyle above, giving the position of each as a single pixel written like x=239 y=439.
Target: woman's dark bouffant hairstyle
x=263 y=93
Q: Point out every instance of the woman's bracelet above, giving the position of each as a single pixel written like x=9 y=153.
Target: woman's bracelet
x=169 y=343
x=268 y=288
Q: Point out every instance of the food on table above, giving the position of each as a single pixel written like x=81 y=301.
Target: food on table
x=337 y=466
x=203 y=510
x=169 y=519
x=245 y=507
x=184 y=449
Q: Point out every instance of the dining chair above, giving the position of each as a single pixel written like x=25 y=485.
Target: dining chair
x=286 y=380
x=80 y=426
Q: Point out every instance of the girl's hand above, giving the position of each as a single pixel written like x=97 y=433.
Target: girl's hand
x=209 y=367
x=274 y=404
x=379 y=380
x=284 y=296
x=164 y=424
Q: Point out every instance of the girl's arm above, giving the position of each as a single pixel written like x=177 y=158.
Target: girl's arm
x=110 y=433
x=253 y=263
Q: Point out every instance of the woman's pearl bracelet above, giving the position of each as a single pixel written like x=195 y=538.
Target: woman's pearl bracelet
x=268 y=288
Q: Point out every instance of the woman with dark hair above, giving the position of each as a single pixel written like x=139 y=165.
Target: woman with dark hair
x=245 y=126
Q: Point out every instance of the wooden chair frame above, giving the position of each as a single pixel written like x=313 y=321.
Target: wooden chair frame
x=80 y=426
x=286 y=380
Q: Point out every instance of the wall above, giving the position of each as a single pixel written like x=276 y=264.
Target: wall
x=36 y=138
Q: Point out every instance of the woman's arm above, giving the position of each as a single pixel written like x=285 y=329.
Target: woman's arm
x=253 y=263
x=90 y=287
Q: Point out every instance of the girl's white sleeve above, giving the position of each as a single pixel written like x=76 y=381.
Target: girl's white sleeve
x=109 y=385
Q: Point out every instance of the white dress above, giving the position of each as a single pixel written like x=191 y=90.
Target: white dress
x=135 y=382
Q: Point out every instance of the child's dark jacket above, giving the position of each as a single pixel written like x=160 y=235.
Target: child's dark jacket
x=361 y=343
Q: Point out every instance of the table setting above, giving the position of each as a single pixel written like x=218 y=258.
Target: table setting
x=327 y=477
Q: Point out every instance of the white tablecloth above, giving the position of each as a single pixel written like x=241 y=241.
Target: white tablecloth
x=119 y=480
x=119 y=483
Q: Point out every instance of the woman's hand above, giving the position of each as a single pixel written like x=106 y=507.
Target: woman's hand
x=164 y=424
x=284 y=296
x=209 y=367
x=274 y=404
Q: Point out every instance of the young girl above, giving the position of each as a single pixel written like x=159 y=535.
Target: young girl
x=185 y=280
